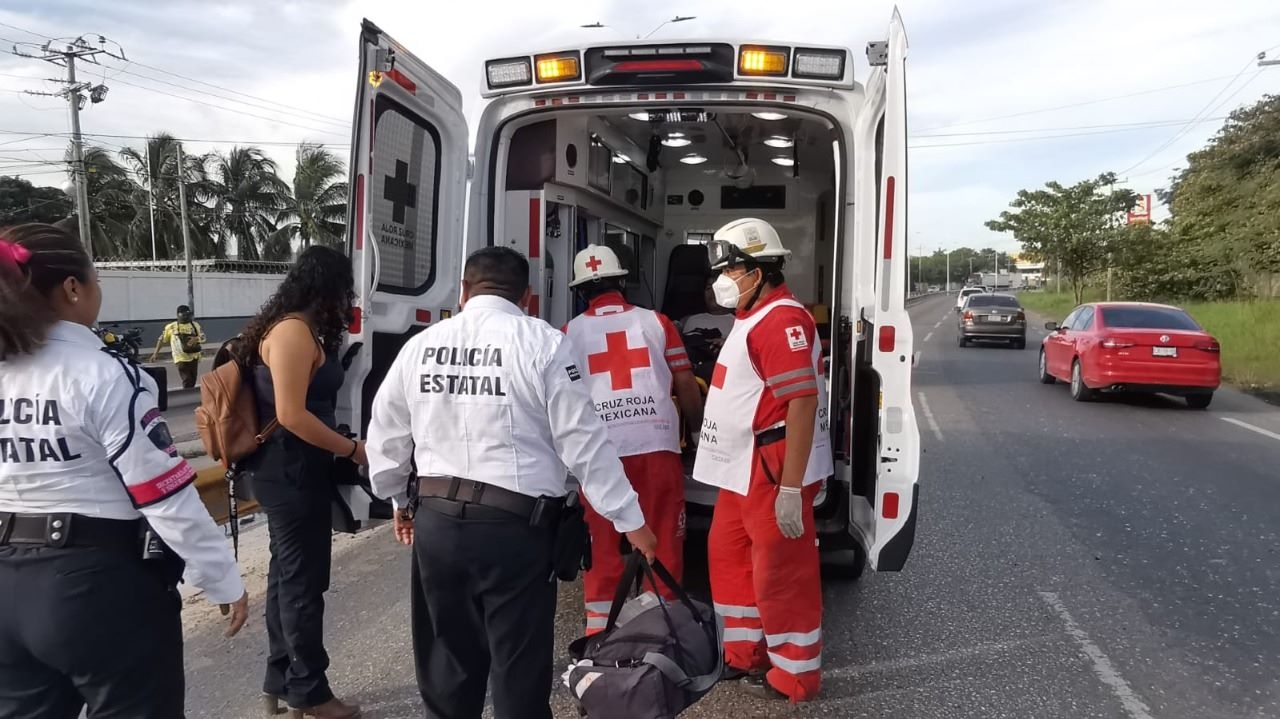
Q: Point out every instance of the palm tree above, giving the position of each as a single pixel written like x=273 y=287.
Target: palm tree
x=316 y=210
x=246 y=194
x=111 y=208
x=156 y=170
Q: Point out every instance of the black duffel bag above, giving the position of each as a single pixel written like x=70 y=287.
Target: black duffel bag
x=654 y=658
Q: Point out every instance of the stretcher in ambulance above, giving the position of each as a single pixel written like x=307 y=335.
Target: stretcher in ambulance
x=648 y=147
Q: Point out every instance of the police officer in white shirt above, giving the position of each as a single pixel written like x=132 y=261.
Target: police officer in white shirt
x=490 y=409
x=97 y=511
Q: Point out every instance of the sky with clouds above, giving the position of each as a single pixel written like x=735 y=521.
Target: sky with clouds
x=1003 y=94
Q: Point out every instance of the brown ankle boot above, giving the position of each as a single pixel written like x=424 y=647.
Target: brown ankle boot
x=332 y=709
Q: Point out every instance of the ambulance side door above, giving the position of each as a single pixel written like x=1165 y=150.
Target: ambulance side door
x=883 y=518
x=405 y=212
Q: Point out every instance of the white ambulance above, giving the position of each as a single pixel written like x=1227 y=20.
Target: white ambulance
x=648 y=147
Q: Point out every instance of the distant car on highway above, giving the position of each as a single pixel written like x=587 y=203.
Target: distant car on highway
x=964 y=295
x=992 y=317
x=934 y=288
x=1132 y=347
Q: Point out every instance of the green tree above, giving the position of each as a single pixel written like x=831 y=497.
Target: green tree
x=20 y=201
x=316 y=209
x=1074 y=226
x=246 y=195
x=1226 y=203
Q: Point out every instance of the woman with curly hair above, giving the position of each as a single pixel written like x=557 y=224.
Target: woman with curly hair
x=293 y=351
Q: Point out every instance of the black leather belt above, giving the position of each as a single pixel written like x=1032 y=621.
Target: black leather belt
x=771 y=436
x=459 y=493
x=69 y=530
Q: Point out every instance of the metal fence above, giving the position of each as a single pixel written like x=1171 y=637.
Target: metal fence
x=254 y=267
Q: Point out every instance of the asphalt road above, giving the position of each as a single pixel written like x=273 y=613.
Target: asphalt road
x=1108 y=559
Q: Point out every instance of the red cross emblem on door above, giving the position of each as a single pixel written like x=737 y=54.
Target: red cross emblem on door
x=593 y=263
x=618 y=359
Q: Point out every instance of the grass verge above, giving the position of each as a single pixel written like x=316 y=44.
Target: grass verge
x=1248 y=331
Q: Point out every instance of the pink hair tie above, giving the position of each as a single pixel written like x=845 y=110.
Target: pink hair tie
x=13 y=254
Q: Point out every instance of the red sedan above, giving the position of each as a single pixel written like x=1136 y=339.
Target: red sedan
x=1132 y=347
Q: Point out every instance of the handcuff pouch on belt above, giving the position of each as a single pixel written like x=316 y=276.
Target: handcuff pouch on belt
x=157 y=554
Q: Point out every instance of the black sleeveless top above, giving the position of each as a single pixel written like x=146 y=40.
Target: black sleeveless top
x=322 y=393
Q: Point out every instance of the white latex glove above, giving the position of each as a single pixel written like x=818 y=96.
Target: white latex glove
x=788 y=509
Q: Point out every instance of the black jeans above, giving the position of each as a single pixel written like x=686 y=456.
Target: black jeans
x=482 y=604
x=87 y=626
x=291 y=481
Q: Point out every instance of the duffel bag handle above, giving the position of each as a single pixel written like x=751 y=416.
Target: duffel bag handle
x=632 y=572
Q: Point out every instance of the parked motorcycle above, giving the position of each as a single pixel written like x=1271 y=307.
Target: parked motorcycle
x=126 y=344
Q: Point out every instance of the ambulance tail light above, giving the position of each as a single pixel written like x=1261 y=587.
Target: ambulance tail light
x=888 y=338
x=510 y=72
x=889 y=505
x=819 y=64
x=758 y=61
x=561 y=67
x=664 y=64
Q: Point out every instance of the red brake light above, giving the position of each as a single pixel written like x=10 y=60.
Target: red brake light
x=968 y=316
x=1022 y=316
x=659 y=66
x=1209 y=346
x=1115 y=343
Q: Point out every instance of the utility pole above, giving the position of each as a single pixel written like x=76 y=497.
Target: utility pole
x=186 y=232
x=1264 y=62
x=64 y=53
x=949 y=272
x=151 y=197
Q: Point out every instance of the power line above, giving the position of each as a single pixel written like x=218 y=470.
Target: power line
x=229 y=109
x=179 y=139
x=1083 y=103
x=292 y=111
x=23 y=29
x=1037 y=139
x=1144 y=124
x=1203 y=111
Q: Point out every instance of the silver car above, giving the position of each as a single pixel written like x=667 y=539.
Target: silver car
x=992 y=317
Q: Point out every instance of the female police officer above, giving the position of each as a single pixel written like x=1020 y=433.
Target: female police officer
x=90 y=482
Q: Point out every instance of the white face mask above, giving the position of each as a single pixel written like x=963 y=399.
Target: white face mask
x=726 y=291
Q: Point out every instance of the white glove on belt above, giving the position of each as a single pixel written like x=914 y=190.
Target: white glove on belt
x=788 y=509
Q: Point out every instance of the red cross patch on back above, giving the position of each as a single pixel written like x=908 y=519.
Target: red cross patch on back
x=618 y=360
x=796 y=338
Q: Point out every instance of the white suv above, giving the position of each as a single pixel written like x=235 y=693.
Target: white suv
x=964 y=294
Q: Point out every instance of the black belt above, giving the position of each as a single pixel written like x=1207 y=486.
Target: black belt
x=69 y=530
x=458 y=493
x=771 y=436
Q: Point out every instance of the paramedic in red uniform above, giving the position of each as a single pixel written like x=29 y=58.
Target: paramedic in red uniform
x=765 y=444
x=633 y=358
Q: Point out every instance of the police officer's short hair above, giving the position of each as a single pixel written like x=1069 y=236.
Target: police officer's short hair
x=497 y=271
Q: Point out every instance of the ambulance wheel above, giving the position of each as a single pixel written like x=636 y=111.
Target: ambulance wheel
x=845 y=565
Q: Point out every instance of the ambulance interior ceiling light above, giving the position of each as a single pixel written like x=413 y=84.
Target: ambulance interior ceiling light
x=676 y=139
x=769 y=116
x=784 y=161
x=779 y=141
x=673 y=116
x=620 y=158
x=693 y=159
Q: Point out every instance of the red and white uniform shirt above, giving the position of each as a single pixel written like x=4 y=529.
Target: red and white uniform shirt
x=771 y=357
x=629 y=355
x=80 y=433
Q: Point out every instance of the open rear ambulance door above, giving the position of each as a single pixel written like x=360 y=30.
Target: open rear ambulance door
x=882 y=511
x=404 y=230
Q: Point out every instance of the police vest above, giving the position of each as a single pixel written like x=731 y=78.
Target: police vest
x=624 y=357
x=726 y=446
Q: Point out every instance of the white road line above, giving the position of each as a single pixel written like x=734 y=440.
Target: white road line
x=1102 y=666
x=928 y=416
x=926 y=337
x=939 y=324
x=1246 y=425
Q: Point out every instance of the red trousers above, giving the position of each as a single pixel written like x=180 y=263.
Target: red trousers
x=766 y=586
x=658 y=477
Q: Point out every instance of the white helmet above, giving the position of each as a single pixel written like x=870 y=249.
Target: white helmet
x=745 y=240
x=596 y=262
